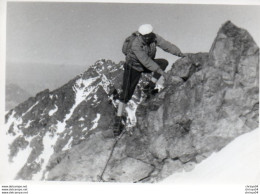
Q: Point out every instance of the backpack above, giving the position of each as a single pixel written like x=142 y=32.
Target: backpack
x=128 y=43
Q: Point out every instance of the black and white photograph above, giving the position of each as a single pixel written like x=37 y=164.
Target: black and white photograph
x=135 y=93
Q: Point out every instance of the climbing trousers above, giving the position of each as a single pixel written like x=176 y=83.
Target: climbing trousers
x=131 y=78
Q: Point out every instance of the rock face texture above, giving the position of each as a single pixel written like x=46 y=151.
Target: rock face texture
x=44 y=128
x=63 y=132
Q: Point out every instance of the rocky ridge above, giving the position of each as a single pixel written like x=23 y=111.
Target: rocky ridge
x=62 y=132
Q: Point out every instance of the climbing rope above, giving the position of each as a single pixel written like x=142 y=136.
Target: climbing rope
x=110 y=155
x=119 y=137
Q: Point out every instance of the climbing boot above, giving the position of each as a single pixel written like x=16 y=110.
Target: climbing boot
x=119 y=125
x=150 y=90
x=115 y=94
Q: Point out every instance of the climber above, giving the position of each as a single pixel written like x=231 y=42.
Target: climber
x=140 y=50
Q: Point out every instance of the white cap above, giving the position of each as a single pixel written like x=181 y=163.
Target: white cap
x=145 y=29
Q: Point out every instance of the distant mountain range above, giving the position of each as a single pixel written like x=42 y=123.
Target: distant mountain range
x=30 y=78
x=14 y=95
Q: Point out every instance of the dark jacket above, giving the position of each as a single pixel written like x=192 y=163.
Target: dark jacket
x=141 y=55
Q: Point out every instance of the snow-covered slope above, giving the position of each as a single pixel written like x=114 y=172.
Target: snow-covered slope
x=40 y=131
x=237 y=163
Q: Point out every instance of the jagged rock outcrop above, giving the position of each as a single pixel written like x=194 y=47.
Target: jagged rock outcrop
x=41 y=130
x=63 y=132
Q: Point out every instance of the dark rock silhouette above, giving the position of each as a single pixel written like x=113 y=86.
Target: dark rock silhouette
x=64 y=130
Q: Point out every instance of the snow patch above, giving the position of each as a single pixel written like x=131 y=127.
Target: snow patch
x=51 y=112
x=95 y=122
x=48 y=141
x=85 y=129
x=18 y=161
x=68 y=145
x=61 y=126
x=237 y=163
x=105 y=84
x=82 y=89
x=10 y=120
x=81 y=119
x=16 y=127
x=95 y=98
x=113 y=69
x=28 y=124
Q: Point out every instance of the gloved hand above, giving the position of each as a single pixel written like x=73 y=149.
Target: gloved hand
x=165 y=75
x=168 y=78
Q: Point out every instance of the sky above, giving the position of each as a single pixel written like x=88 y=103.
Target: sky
x=81 y=33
